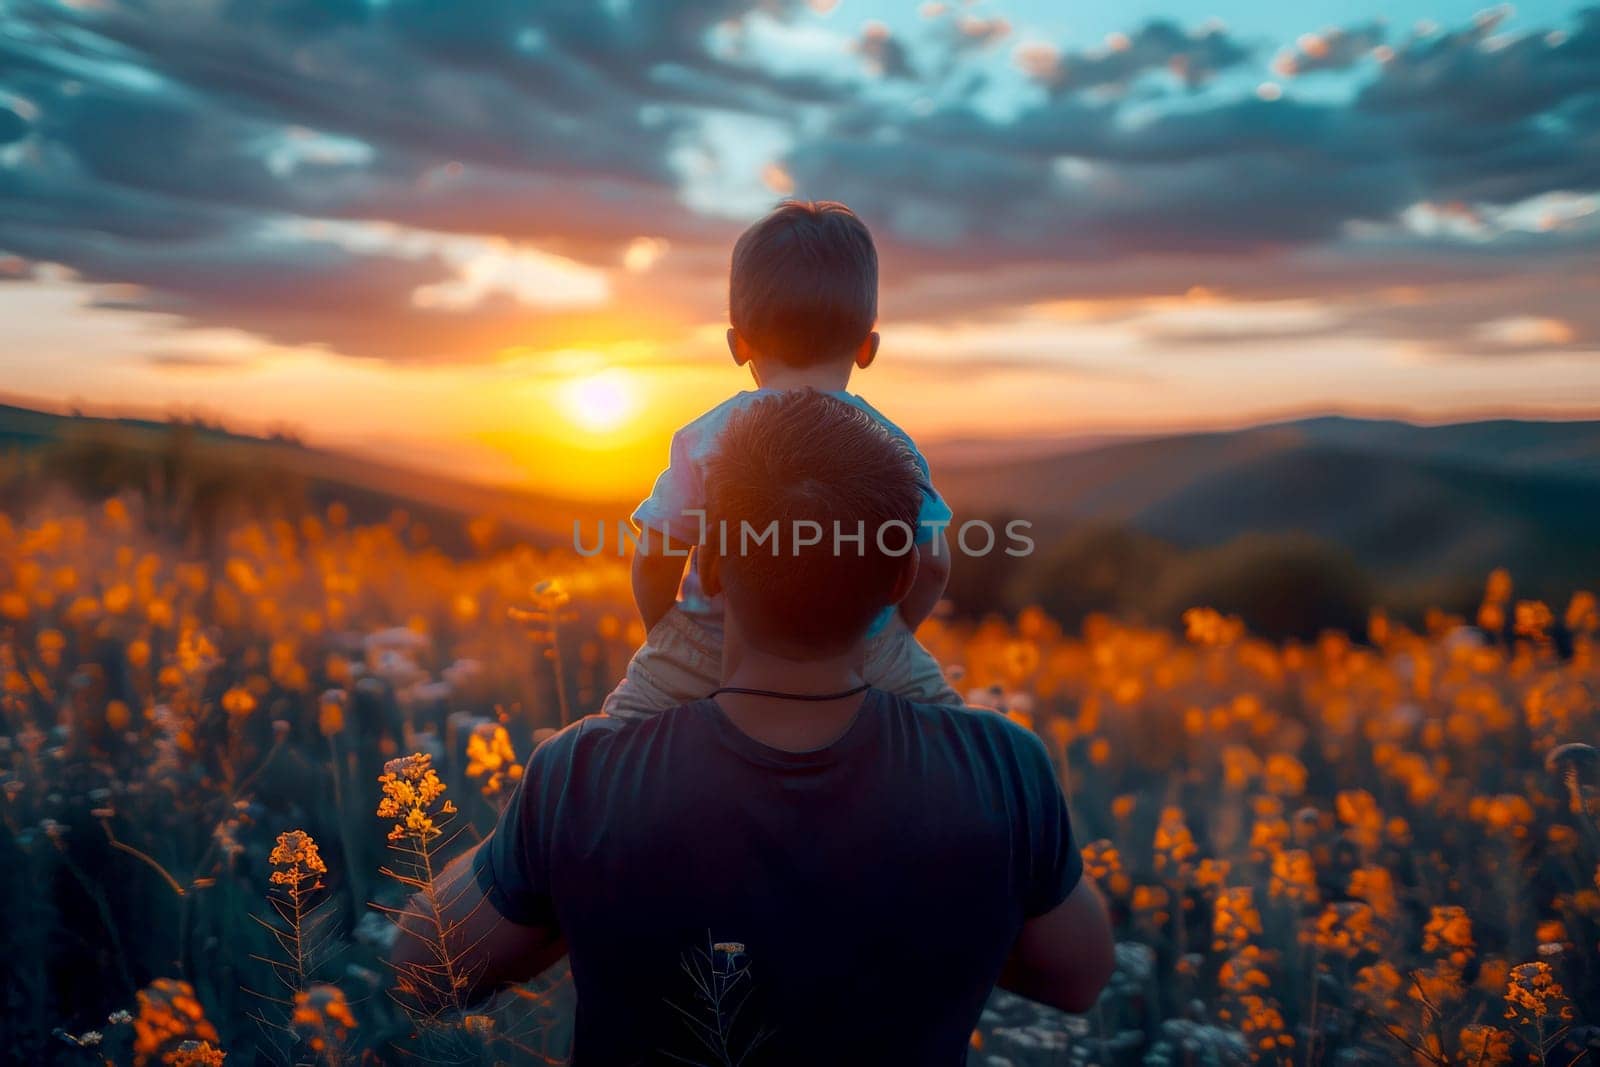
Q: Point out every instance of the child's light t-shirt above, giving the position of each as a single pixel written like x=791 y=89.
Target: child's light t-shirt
x=680 y=490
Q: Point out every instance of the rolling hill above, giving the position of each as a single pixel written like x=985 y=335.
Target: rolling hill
x=1423 y=502
x=370 y=487
x=1410 y=503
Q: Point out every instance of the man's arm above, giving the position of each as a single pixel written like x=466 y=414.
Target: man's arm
x=1064 y=957
x=486 y=949
x=933 y=572
x=656 y=575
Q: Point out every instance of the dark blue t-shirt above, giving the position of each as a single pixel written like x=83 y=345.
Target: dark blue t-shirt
x=724 y=899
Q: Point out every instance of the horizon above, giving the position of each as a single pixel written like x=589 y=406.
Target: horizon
x=1130 y=221
x=997 y=448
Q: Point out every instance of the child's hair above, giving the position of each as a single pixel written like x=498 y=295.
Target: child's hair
x=802 y=455
x=804 y=283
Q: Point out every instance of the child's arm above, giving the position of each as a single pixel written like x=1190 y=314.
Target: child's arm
x=656 y=575
x=933 y=571
x=659 y=558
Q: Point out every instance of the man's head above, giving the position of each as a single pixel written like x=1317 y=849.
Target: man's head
x=803 y=288
x=802 y=457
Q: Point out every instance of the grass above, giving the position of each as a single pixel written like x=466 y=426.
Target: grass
x=1362 y=848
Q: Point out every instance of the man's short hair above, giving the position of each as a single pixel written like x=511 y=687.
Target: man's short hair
x=803 y=287
x=802 y=455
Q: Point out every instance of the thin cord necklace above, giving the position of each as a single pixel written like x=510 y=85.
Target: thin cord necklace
x=779 y=695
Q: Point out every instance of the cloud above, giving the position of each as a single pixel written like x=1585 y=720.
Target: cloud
x=1544 y=308
x=1334 y=49
x=170 y=153
x=520 y=161
x=884 y=53
x=977 y=32
x=198 y=362
x=13 y=127
x=1158 y=46
x=1475 y=74
x=1085 y=195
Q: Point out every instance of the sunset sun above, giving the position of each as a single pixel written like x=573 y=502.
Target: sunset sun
x=599 y=402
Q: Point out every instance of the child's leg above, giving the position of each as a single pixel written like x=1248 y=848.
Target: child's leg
x=680 y=661
x=897 y=663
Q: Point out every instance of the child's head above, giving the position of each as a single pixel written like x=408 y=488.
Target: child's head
x=803 y=288
x=801 y=456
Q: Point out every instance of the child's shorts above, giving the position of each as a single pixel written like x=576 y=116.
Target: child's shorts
x=681 y=660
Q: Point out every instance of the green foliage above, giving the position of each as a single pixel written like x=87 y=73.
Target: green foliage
x=1280 y=586
x=1102 y=568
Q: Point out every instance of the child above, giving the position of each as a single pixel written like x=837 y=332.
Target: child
x=802 y=300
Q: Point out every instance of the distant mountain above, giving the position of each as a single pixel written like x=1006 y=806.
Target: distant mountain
x=969 y=451
x=1422 y=502
x=1411 y=503
x=1507 y=444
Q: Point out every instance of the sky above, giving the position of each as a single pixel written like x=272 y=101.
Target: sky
x=492 y=237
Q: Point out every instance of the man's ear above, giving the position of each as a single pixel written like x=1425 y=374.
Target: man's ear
x=907 y=577
x=868 y=350
x=709 y=566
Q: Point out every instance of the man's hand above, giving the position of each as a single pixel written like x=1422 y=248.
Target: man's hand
x=933 y=572
x=1064 y=957
x=656 y=575
x=484 y=949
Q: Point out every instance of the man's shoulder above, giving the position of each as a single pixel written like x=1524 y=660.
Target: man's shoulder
x=969 y=721
x=578 y=740
x=596 y=734
x=968 y=748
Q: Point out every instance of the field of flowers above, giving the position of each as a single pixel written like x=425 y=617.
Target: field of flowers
x=222 y=772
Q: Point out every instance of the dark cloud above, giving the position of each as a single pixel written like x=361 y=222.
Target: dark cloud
x=167 y=149
x=1474 y=76
x=1158 y=46
x=1074 y=197
x=180 y=148
x=1073 y=180
x=1333 y=50
x=884 y=53
x=13 y=127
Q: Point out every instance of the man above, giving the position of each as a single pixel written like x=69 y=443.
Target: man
x=798 y=869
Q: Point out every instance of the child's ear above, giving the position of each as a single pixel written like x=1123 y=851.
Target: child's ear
x=905 y=579
x=868 y=350
x=737 y=346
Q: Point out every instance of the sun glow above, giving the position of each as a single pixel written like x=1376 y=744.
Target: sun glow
x=599 y=402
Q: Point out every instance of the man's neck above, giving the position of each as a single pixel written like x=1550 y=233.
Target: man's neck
x=832 y=376
x=792 y=725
